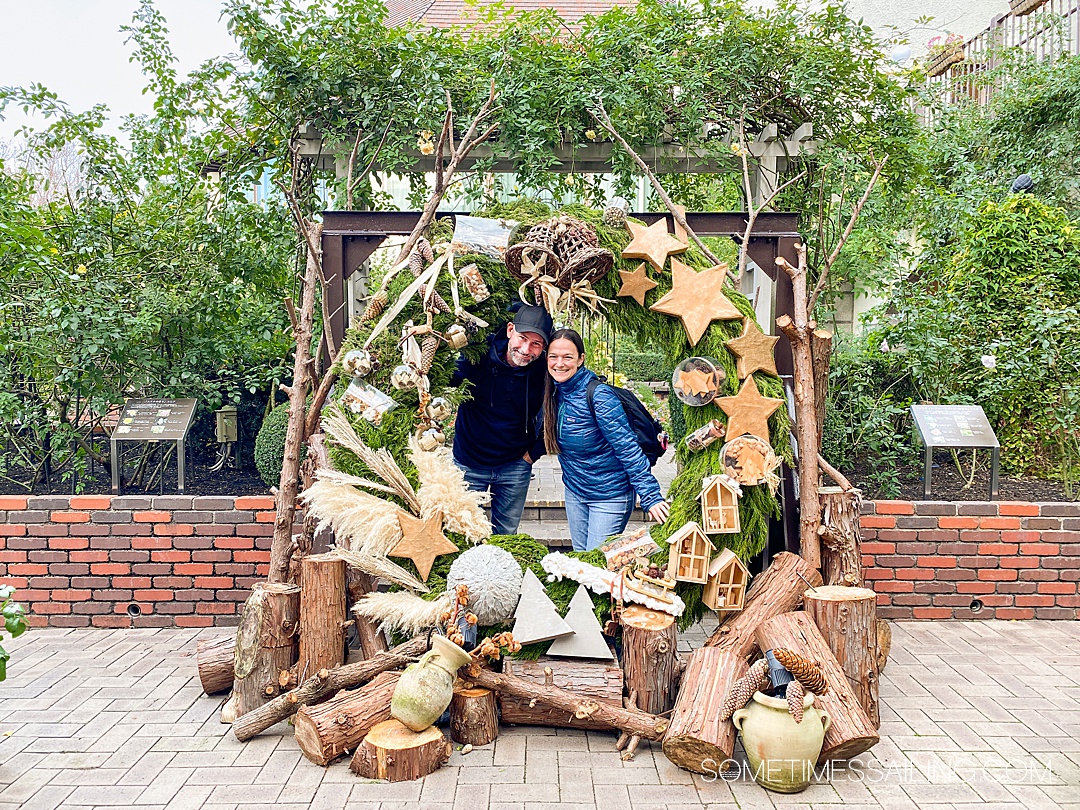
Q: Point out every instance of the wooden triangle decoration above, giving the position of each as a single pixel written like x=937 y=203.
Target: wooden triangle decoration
x=422 y=541
x=697 y=299
x=536 y=619
x=753 y=350
x=652 y=243
x=636 y=283
x=587 y=640
x=749 y=411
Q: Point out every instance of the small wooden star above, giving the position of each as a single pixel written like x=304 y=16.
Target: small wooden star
x=696 y=382
x=422 y=541
x=748 y=411
x=753 y=350
x=652 y=243
x=635 y=283
x=697 y=299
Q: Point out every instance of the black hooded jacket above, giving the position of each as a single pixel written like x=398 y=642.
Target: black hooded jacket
x=499 y=424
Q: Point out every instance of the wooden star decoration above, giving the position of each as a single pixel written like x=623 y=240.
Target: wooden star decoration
x=635 y=283
x=749 y=411
x=422 y=541
x=696 y=382
x=697 y=299
x=753 y=350
x=652 y=243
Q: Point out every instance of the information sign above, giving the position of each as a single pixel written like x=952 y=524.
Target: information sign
x=956 y=426
x=153 y=420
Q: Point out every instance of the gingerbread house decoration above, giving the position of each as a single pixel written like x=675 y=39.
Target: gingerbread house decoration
x=726 y=588
x=688 y=554
x=720 y=505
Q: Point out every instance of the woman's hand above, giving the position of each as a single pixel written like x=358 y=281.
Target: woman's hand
x=659 y=513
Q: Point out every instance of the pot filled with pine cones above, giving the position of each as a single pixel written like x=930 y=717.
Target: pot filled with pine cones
x=782 y=742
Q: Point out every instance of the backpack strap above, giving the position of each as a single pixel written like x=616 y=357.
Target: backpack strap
x=589 y=395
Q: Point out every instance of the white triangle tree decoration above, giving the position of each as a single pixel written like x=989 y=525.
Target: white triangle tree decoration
x=536 y=618
x=587 y=640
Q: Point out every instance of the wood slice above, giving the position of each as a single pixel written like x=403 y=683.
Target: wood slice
x=651 y=664
x=778 y=589
x=265 y=645
x=215 y=661
x=841 y=544
x=322 y=615
x=601 y=681
x=851 y=731
x=847 y=618
x=395 y=753
x=474 y=716
x=335 y=727
x=697 y=739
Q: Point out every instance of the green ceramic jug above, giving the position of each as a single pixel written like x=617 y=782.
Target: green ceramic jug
x=425 y=688
x=781 y=753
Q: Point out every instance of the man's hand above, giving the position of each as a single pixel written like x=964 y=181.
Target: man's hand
x=659 y=513
x=527 y=457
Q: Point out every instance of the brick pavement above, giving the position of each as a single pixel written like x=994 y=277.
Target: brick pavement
x=975 y=715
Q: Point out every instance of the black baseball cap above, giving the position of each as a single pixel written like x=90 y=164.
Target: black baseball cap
x=534 y=319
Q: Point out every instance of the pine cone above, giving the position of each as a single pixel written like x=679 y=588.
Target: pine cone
x=375 y=307
x=795 y=692
x=805 y=670
x=421 y=256
x=427 y=353
x=437 y=302
x=743 y=689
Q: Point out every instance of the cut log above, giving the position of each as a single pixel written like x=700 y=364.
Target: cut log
x=335 y=727
x=322 y=615
x=215 y=661
x=650 y=660
x=697 y=739
x=393 y=752
x=847 y=618
x=601 y=681
x=570 y=704
x=841 y=545
x=265 y=645
x=474 y=717
x=884 y=644
x=778 y=589
x=851 y=731
x=359 y=584
x=821 y=351
x=325 y=683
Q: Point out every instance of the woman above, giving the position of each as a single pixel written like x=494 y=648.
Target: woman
x=603 y=468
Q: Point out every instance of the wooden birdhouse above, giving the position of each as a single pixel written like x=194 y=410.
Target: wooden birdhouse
x=720 y=505
x=726 y=588
x=689 y=553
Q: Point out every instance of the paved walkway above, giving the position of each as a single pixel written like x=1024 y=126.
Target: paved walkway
x=547 y=488
x=975 y=715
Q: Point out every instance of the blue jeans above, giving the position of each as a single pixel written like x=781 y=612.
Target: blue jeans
x=593 y=522
x=508 y=484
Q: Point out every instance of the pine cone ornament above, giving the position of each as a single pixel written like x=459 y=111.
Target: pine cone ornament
x=743 y=689
x=421 y=256
x=375 y=307
x=437 y=302
x=428 y=348
x=614 y=217
x=805 y=670
x=795 y=693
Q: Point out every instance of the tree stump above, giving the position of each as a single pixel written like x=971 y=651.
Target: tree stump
x=851 y=731
x=594 y=680
x=841 y=545
x=331 y=729
x=474 y=717
x=651 y=664
x=359 y=584
x=215 y=660
x=847 y=618
x=884 y=644
x=778 y=589
x=265 y=645
x=395 y=753
x=697 y=739
x=322 y=615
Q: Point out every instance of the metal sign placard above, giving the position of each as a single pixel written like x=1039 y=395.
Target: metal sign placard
x=153 y=420
x=958 y=426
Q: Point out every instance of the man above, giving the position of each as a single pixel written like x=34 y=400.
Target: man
x=495 y=438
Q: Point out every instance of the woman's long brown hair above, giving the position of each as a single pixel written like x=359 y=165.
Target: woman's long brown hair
x=551 y=412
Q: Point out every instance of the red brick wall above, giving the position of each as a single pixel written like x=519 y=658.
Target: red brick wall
x=979 y=560
x=181 y=561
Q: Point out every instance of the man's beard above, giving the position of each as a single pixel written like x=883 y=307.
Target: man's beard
x=520 y=359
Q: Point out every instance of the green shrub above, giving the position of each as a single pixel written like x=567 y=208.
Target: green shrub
x=642 y=366
x=270 y=445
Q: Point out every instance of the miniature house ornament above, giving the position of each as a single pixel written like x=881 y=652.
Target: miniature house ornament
x=689 y=550
x=720 y=505
x=726 y=588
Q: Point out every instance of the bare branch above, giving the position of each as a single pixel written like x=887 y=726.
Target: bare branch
x=367 y=169
x=834 y=474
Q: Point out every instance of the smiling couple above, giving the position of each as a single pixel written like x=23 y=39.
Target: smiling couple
x=530 y=396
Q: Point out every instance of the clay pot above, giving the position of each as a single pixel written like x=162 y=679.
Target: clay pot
x=425 y=688
x=781 y=753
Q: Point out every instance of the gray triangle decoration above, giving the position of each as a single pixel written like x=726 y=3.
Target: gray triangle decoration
x=587 y=640
x=536 y=618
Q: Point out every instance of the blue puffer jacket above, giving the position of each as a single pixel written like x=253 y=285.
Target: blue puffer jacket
x=599 y=456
